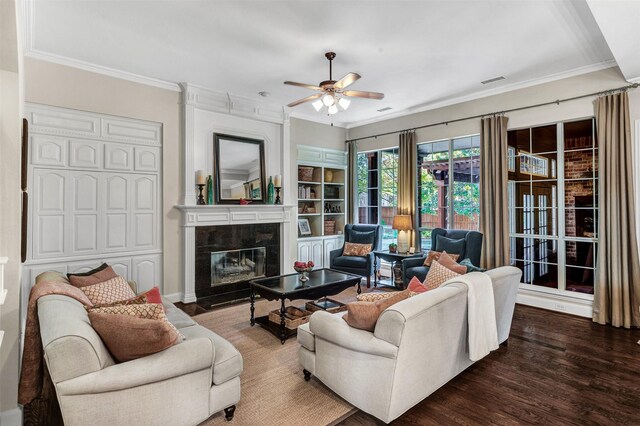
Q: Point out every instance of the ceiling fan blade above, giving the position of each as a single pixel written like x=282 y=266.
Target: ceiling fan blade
x=346 y=80
x=307 y=99
x=306 y=86
x=360 y=94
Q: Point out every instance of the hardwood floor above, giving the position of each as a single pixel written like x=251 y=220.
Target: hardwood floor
x=557 y=370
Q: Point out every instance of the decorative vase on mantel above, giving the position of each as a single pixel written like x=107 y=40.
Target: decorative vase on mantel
x=209 y=190
x=270 y=191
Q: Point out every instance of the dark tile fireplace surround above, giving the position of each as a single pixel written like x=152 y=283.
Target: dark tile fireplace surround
x=228 y=256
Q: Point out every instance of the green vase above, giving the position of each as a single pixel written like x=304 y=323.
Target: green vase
x=209 y=190
x=270 y=191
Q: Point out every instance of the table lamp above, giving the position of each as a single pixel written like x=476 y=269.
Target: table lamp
x=402 y=223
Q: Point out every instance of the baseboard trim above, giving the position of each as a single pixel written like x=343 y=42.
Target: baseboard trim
x=174 y=297
x=11 y=417
x=558 y=303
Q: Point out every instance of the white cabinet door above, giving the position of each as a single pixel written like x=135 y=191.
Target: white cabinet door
x=147 y=271
x=329 y=245
x=85 y=154
x=147 y=159
x=48 y=151
x=317 y=253
x=116 y=212
x=304 y=251
x=83 y=212
x=48 y=213
x=143 y=212
x=118 y=157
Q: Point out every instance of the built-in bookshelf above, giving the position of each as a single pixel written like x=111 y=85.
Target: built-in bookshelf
x=322 y=198
x=322 y=186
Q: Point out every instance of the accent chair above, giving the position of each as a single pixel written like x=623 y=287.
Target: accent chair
x=467 y=244
x=359 y=265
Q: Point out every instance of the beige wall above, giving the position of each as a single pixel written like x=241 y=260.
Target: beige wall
x=566 y=88
x=58 y=85
x=10 y=207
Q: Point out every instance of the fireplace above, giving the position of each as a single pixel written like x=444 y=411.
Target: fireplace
x=227 y=257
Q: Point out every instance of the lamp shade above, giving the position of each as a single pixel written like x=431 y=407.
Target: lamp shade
x=402 y=222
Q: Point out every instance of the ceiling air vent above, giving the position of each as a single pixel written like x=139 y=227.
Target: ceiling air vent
x=492 y=80
x=384 y=109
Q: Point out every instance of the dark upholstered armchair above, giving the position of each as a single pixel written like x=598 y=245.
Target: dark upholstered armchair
x=359 y=265
x=468 y=244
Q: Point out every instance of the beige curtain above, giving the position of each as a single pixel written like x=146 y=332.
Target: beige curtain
x=352 y=173
x=617 y=292
x=494 y=223
x=407 y=171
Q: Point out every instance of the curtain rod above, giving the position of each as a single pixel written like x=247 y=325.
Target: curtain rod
x=557 y=102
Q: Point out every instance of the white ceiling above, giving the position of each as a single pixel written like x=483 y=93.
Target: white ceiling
x=418 y=53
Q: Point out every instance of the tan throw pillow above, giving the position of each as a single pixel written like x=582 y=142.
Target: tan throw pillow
x=448 y=262
x=437 y=275
x=114 y=290
x=102 y=273
x=435 y=255
x=355 y=249
x=134 y=331
x=364 y=315
x=372 y=297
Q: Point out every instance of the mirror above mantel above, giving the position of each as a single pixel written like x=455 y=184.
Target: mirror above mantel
x=238 y=169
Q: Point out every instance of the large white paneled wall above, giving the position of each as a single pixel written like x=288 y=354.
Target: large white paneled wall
x=95 y=190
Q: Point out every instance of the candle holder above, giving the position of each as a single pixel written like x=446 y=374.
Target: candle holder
x=278 y=200
x=201 y=200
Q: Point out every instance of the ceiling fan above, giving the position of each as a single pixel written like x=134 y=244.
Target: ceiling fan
x=332 y=93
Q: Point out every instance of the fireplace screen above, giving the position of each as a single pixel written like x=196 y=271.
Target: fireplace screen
x=232 y=266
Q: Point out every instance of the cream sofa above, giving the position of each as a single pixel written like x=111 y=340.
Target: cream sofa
x=182 y=385
x=418 y=345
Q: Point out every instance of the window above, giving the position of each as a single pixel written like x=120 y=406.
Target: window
x=448 y=186
x=378 y=190
x=554 y=176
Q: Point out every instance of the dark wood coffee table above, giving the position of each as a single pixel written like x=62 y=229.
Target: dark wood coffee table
x=322 y=282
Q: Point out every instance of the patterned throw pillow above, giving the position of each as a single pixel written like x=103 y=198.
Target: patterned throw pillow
x=435 y=255
x=372 y=297
x=437 y=275
x=151 y=296
x=114 y=290
x=134 y=331
x=102 y=273
x=355 y=249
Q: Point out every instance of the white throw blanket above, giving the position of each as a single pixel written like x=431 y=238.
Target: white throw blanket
x=483 y=330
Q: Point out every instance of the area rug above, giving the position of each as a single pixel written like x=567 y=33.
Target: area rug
x=273 y=388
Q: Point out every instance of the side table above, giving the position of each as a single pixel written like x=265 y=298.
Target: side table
x=396 y=260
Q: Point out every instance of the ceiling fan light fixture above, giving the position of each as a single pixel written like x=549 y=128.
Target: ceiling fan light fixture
x=318 y=104
x=328 y=100
x=344 y=103
x=332 y=109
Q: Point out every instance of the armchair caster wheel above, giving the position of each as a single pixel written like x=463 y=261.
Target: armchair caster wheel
x=307 y=375
x=228 y=413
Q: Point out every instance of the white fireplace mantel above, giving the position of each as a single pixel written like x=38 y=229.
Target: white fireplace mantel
x=214 y=215
x=220 y=215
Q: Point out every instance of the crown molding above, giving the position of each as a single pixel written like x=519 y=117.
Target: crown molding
x=227 y=103
x=491 y=92
x=99 y=69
